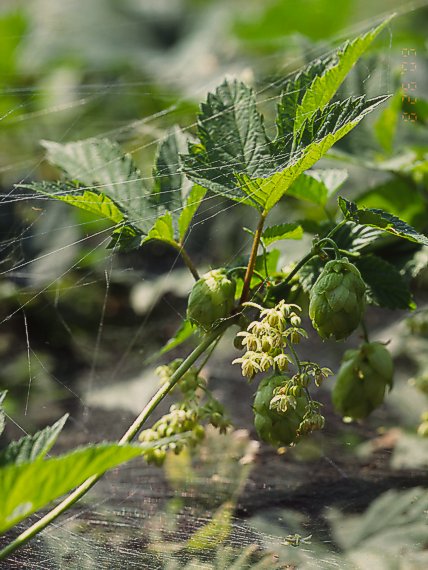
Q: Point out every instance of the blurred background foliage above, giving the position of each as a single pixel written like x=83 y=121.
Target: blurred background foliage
x=76 y=318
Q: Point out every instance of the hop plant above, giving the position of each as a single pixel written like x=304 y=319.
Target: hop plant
x=337 y=300
x=362 y=380
x=211 y=299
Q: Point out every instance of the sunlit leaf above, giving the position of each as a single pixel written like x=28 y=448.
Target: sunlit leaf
x=2 y=416
x=162 y=230
x=192 y=203
x=282 y=231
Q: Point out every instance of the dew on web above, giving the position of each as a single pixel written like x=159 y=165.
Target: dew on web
x=80 y=324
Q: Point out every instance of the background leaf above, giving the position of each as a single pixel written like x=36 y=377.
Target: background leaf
x=380 y=219
x=31 y=447
x=318 y=186
x=386 y=287
x=101 y=164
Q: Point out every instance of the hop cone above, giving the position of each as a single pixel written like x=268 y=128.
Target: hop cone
x=362 y=380
x=211 y=299
x=273 y=427
x=337 y=300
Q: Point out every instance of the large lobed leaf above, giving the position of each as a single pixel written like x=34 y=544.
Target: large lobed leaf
x=27 y=487
x=324 y=130
x=325 y=85
x=235 y=158
x=232 y=140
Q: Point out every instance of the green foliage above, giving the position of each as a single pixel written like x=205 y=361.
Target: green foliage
x=109 y=184
x=279 y=232
x=318 y=186
x=385 y=221
x=31 y=447
x=385 y=285
x=29 y=486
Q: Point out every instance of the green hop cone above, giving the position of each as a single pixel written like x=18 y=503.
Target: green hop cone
x=337 y=300
x=362 y=380
x=276 y=428
x=211 y=299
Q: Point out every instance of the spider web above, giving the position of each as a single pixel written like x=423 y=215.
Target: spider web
x=112 y=312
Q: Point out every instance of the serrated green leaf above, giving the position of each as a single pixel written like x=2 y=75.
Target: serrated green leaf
x=94 y=202
x=2 y=415
x=28 y=487
x=191 y=205
x=377 y=218
x=101 y=164
x=169 y=189
x=162 y=230
x=318 y=186
x=386 y=287
x=282 y=231
x=31 y=447
x=232 y=140
x=325 y=85
x=325 y=129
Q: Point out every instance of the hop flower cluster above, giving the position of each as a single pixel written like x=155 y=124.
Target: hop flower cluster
x=184 y=420
x=283 y=413
x=266 y=340
x=178 y=421
x=188 y=383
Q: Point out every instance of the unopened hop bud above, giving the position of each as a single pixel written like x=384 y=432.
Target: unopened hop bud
x=337 y=300
x=211 y=298
x=274 y=427
x=362 y=380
